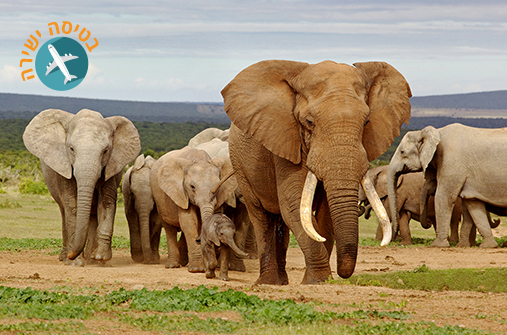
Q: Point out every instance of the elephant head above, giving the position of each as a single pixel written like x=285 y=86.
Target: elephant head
x=84 y=146
x=219 y=229
x=186 y=180
x=329 y=118
x=414 y=153
x=139 y=204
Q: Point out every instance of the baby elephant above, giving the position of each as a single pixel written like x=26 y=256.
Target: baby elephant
x=217 y=239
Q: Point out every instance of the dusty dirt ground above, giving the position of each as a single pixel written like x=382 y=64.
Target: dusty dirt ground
x=43 y=271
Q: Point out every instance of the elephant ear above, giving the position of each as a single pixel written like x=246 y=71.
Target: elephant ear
x=139 y=162
x=388 y=96
x=170 y=179
x=379 y=179
x=430 y=137
x=226 y=192
x=260 y=102
x=45 y=137
x=149 y=161
x=127 y=195
x=126 y=145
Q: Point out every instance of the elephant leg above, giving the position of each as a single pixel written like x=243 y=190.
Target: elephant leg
x=406 y=237
x=455 y=218
x=189 y=223
x=379 y=234
x=173 y=253
x=91 y=241
x=444 y=203
x=473 y=236
x=210 y=258
x=106 y=210
x=323 y=217
x=241 y=221
x=477 y=210
x=225 y=252
x=316 y=253
x=155 y=232
x=182 y=247
x=465 y=236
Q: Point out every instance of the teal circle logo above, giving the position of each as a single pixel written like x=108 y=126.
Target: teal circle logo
x=61 y=63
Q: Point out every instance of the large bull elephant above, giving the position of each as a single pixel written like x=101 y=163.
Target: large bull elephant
x=326 y=121
x=82 y=159
x=467 y=162
x=182 y=182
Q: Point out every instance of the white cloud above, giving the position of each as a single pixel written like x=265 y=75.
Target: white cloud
x=10 y=73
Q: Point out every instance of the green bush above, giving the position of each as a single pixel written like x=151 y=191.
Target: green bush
x=28 y=186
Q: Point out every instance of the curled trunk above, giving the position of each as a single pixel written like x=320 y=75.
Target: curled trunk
x=240 y=253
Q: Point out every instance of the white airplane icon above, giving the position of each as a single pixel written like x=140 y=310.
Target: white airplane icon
x=60 y=62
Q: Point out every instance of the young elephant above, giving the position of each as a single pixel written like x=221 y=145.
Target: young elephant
x=141 y=212
x=217 y=239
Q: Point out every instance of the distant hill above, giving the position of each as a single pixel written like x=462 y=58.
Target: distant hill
x=470 y=105
x=25 y=106
x=479 y=100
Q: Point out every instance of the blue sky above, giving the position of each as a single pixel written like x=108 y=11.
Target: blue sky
x=189 y=50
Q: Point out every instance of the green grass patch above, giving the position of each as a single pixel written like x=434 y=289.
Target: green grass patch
x=423 y=278
x=174 y=311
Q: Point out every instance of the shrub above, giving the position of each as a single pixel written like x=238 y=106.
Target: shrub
x=28 y=186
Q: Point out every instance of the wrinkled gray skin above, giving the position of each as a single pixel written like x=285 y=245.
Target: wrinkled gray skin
x=217 y=240
x=181 y=182
x=408 y=190
x=244 y=230
x=207 y=135
x=467 y=162
x=141 y=212
x=82 y=159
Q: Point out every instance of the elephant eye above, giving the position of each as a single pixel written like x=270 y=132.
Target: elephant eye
x=309 y=123
x=192 y=187
x=71 y=148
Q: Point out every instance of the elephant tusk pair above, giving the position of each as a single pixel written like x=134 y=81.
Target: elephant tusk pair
x=307 y=200
x=223 y=180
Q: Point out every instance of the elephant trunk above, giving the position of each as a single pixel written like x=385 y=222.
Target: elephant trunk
x=231 y=243
x=144 y=225
x=393 y=174
x=84 y=204
x=342 y=199
x=86 y=176
x=206 y=211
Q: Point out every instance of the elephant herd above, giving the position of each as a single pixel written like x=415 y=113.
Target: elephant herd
x=300 y=142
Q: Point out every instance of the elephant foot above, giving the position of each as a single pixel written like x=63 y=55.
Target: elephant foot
x=151 y=261
x=237 y=265
x=406 y=242
x=463 y=244
x=196 y=269
x=169 y=264
x=79 y=261
x=489 y=243
x=224 y=277
x=440 y=243
x=271 y=279
x=63 y=255
x=102 y=253
x=137 y=258
x=314 y=276
x=210 y=274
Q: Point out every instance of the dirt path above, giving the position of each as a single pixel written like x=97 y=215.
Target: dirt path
x=475 y=310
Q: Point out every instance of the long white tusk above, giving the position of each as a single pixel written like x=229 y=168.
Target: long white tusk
x=379 y=209
x=305 y=208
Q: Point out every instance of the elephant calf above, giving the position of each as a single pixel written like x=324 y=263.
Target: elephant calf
x=217 y=238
